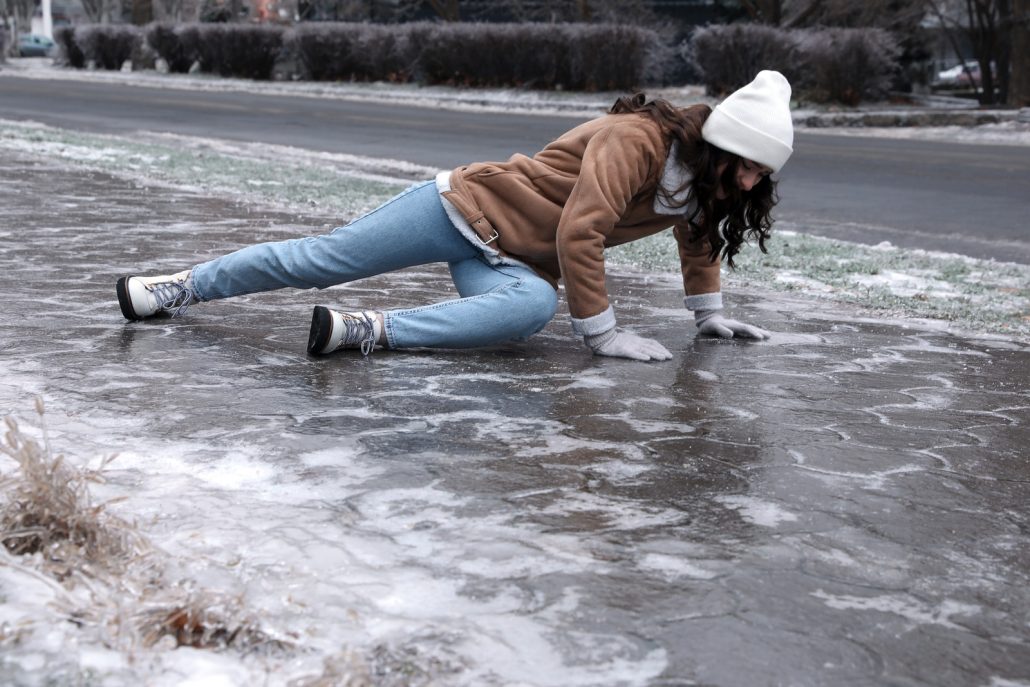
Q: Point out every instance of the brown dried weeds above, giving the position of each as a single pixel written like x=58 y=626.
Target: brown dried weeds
x=49 y=522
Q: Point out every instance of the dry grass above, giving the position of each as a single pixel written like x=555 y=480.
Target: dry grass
x=54 y=532
x=47 y=508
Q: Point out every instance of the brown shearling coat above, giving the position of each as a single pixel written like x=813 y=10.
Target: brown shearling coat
x=592 y=188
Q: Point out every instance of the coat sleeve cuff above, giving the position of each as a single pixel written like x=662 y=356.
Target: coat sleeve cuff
x=704 y=301
x=597 y=324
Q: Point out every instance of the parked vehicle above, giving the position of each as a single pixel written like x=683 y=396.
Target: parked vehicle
x=956 y=76
x=963 y=77
x=34 y=45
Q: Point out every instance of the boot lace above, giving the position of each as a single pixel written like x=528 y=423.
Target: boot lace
x=359 y=331
x=173 y=296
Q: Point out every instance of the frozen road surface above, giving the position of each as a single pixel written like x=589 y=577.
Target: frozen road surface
x=844 y=504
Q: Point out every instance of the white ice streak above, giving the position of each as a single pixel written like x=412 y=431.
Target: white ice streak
x=636 y=424
x=673 y=567
x=871 y=480
x=903 y=605
x=757 y=511
x=617 y=515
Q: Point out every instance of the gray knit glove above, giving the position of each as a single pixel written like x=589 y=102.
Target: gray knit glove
x=711 y=323
x=707 y=308
x=617 y=344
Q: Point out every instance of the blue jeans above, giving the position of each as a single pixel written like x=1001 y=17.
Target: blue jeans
x=497 y=302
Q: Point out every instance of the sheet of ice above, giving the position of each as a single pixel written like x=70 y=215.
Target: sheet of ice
x=757 y=511
x=904 y=606
x=526 y=514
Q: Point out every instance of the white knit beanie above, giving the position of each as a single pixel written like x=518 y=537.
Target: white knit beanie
x=754 y=121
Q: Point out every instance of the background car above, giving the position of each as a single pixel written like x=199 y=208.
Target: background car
x=956 y=76
x=34 y=45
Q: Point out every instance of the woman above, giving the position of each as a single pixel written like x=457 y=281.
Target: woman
x=511 y=231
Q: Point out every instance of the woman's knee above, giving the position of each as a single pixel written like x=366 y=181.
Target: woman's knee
x=537 y=305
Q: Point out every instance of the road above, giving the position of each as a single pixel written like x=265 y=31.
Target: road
x=969 y=199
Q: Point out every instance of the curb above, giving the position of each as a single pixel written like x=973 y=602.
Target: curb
x=917 y=118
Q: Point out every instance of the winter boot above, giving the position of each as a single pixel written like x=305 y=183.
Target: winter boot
x=142 y=297
x=333 y=331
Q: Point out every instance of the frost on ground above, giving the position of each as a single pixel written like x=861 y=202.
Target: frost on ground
x=84 y=574
x=978 y=296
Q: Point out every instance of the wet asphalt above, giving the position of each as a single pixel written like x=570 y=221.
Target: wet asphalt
x=842 y=505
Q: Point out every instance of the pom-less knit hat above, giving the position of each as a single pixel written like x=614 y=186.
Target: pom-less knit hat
x=754 y=121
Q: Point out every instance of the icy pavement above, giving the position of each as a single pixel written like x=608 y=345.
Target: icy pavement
x=842 y=505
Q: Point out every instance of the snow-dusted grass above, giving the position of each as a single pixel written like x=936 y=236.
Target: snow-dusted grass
x=976 y=296
x=253 y=174
x=973 y=295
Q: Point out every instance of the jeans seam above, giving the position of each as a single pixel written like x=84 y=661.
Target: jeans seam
x=198 y=293
x=388 y=316
x=411 y=189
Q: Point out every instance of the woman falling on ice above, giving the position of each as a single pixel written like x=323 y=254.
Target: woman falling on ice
x=510 y=231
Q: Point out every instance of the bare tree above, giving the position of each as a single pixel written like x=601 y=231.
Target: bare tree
x=764 y=11
x=989 y=25
x=628 y=11
x=19 y=12
x=102 y=11
x=1019 y=42
x=884 y=14
x=448 y=10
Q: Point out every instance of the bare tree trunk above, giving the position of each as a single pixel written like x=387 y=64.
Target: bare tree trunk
x=1004 y=51
x=447 y=10
x=990 y=28
x=1019 y=42
x=142 y=12
x=764 y=11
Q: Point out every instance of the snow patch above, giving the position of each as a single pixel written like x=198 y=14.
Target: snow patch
x=757 y=511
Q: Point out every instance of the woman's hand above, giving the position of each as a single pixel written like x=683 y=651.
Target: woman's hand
x=616 y=344
x=711 y=323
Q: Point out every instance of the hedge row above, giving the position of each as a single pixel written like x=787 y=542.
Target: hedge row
x=572 y=56
x=843 y=65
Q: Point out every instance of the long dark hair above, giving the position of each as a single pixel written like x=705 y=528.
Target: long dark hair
x=743 y=215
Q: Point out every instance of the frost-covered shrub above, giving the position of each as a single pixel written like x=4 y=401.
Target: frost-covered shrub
x=572 y=56
x=166 y=40
x=247 y=51
x=485 y=54
x=108 y=46
x=843 y=65
x=69 y=53
x=729 y=56
x=351 y=52
x=848 y=65
x=609 y=56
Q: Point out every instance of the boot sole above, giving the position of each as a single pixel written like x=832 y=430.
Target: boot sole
x=124 y=301
x=321 y=330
